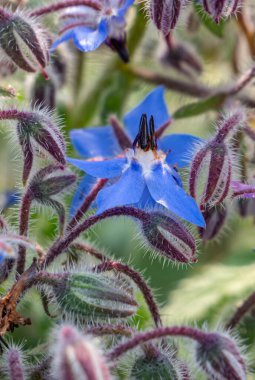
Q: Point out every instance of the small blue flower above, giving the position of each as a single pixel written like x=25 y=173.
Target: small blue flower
x=6 y=252
x=8 y=199
x=145 y=173
x=89 y=28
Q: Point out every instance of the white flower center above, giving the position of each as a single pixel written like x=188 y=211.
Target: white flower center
x=147 y=159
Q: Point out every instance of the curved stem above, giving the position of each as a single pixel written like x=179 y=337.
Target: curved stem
x=12 y=114
x=241 y=311
x=23 y=229
x=139 y=281
x=66 y=4
x=62 y=244
x=86 y=203
x=89 y=250
x=184 y=87
x=141 y=338
x=110 y=330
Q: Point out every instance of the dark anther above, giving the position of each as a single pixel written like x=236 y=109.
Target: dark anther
x=153 y=139
x=144 y=138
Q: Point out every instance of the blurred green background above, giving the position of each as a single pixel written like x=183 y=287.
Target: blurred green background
x=97 y=85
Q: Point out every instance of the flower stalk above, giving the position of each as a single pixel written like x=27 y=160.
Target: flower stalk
x=95 y=4
x=62 y=244
x=139 y=281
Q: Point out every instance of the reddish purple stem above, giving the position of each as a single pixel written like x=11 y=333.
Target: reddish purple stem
x=86 y=203
x=241 y=311
x=110 y=330
x=144 y=337
x=62 y=244
x=139 y=281
x=95 y=4
x=23 y=228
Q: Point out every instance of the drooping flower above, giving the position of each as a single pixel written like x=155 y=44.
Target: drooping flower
x=89 y=28
x=99 y=143
x=145 y=174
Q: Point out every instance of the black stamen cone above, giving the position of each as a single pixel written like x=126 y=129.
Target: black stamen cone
x=153 y=139
x=143 y=134
x=120 y=47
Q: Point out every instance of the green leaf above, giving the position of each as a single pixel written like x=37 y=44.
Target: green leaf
x=7 y=92
x=216 y=29
x=202 y=106
x=213 y=293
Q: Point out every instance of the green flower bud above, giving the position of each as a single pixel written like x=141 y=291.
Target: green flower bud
x=87 y=295
x=156 y=368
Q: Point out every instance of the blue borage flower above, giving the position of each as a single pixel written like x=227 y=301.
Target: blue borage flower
x=145 y=173
x=6 y=252
x=89 y=28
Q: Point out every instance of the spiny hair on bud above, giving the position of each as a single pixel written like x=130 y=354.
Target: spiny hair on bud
x=215 y=164
x=230 y=122
x=52 y=123
x=165 y=13
x=164 y=365
x=114 y=301
x=14 y=362
x=168 y=238
x=30 y=42
x=221 y=9
x=218 y=222
x=222 y=355
x=76 y=356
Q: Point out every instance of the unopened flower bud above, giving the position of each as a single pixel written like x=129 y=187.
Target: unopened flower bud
x=219 y=9
x=43 y=94
x=165 y=14
x=75 y=357
x=215 y=218
x=84 y=295
x=219 y=356
x=213 y=166
x=43 y=91
x=22 y=41
x=246 y=207
x=48 y=183
x=13 y=363
x=38 y=133
x=7 y=68
x=169 y=238
x=159 y=367
x=181 y=58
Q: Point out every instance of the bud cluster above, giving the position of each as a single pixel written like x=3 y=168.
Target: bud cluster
x=169 y=237
x=214 y=164
x=23 y=42
x=219 y=356
x=39 y=135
